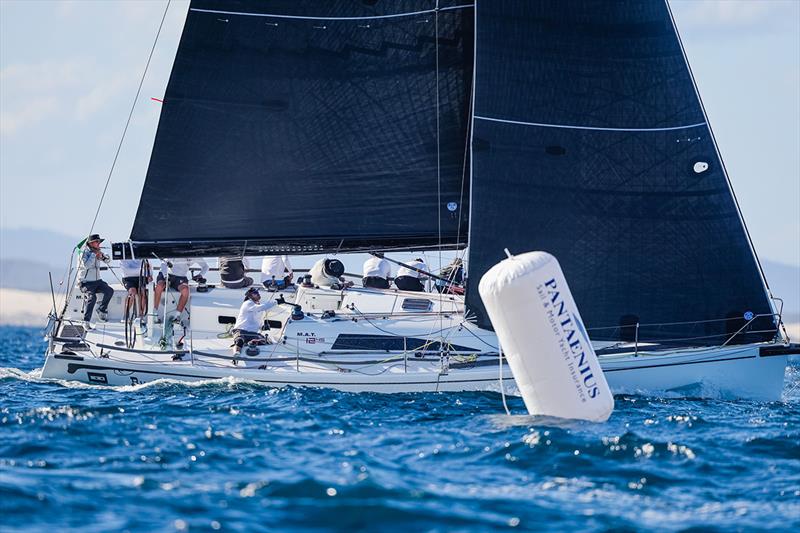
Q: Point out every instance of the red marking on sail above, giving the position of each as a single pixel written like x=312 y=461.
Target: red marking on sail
x=157 y=100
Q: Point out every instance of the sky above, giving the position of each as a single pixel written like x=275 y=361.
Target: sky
x=69 y=72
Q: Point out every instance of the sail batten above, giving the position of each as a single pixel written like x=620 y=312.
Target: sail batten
x=308 y=17
x=595 y=128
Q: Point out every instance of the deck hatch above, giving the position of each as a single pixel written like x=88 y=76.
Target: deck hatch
x=72 y=331
x=417 y=304
x=349 y=341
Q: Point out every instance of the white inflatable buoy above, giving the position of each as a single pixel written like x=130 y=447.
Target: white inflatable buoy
x=542 y=335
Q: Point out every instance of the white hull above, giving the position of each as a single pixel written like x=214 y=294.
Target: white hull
x=729 y=372
x=340 y=352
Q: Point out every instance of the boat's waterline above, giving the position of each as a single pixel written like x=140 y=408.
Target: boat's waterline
x=738 y=371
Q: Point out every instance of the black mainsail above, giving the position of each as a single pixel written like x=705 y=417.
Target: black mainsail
x=301 y=126
x=590 y=142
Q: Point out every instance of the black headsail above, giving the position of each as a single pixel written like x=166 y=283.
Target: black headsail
x=303 y=126
x=590 y=142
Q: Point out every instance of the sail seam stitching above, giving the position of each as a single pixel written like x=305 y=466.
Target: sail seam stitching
x=301 y=17
x=594 y=128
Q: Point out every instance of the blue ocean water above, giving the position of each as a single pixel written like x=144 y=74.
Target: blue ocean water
x=236 y=456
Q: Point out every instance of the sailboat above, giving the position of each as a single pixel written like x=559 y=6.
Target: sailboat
x=466 y=126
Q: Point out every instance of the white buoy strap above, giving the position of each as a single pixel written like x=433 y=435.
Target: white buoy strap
x=543 y=337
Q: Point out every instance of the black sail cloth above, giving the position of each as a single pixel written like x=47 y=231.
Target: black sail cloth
x=304 y=126
x=590 y=143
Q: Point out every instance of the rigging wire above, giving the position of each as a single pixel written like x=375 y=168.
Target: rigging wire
x=466 y=160
x=502 y=386
x=68 y=275
x=130 y=116
x=767 y=289
x=438 y=165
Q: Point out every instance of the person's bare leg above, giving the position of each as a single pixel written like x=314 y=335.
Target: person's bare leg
x=142 y=302
x=159 y=290
x=130 y=303
x=184 y=298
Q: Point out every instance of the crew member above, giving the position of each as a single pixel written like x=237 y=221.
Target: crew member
x=135 y=277
x=248 y=323
x=377 y=272
x=91 y=282
x=233 y=272
x=276 y=271
x=176 y=273
x=454 y=274
x=409 y=279
x=328 y=273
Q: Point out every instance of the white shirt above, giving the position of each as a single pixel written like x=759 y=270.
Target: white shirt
x=276 y=266
x=89 y=266
x=377 y=267
x=403 y=271
x=181 y=266
x=249 y=318
x=131 y=268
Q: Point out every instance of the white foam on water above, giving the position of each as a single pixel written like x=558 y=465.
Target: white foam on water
x=34 y=376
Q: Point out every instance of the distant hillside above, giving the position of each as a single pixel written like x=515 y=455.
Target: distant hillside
x=27 y=275
x=24 y=308
x=27 y=254
x=38 y=245
x=784 y=280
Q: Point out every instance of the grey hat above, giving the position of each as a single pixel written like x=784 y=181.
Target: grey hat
x=250 y=291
